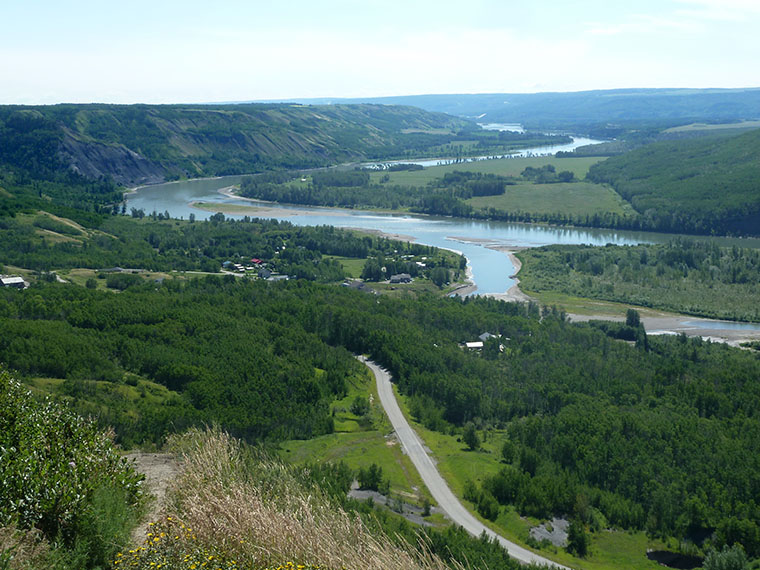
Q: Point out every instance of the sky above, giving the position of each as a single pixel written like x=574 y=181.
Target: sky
x=169 y=51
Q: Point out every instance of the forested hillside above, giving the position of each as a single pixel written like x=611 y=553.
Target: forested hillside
x=42 y=243
x=633 y=432
x=142 y=144
x=600 y=107
x=702 y=186
x=684 y=276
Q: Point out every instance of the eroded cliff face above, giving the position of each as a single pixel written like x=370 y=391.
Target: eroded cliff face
x=94 y=159
x=143 y=144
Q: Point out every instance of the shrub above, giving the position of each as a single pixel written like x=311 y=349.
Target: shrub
x=60 y=475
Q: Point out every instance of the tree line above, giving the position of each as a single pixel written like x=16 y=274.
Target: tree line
x=684 y=275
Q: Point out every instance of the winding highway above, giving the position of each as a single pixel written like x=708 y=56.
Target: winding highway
x=441 y=492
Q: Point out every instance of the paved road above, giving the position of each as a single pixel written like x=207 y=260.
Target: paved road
x=432 y=478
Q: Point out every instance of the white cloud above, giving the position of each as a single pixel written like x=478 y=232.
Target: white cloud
x=645 y=24
x=721 y=10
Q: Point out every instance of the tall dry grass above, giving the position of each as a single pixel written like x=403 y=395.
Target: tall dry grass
x=255 y=510
x=22 y=550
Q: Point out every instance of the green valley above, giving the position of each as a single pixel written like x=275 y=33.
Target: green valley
x=156 y=327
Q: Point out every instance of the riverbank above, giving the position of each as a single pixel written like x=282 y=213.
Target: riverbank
x=203 y=179
x=655 y=322
x=513 y=294
x=466 y=288
x=660 y=323
x=265 y=211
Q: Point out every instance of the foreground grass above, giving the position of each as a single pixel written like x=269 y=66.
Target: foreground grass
x=232 y=507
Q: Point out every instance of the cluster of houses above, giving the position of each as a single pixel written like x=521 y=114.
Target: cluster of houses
x=480 y=343
x=13 y=281
x=256 y=265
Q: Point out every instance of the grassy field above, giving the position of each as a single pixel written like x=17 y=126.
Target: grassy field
x=351 y=265
x=577 y=198
x=581 y=305
x=359 y=443
x=713 y=127
x=504 y=167
x=416 y=287
x=80 y=275
x=136 y=390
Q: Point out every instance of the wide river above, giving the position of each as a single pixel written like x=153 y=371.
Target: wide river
x=491 y=270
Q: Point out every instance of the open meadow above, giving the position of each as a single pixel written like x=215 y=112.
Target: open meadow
x=570 y=198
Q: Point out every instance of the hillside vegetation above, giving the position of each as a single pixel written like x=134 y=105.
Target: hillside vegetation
x=701 y=186
x=684 y=276
x=249 y=355
x=67 y=498
x=247 y=510
x=143 y=144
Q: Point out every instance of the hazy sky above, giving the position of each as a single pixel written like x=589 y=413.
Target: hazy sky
x=163 y=51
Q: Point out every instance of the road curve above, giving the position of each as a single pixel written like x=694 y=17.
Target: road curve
x=432 y=478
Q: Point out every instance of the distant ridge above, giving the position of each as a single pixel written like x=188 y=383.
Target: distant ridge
x=555 y=109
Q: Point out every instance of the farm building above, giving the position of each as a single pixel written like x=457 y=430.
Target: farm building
x=13 y=281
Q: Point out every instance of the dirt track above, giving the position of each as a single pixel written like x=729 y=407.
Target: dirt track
x=159 y=470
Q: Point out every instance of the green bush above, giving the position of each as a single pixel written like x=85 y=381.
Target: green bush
x=63 y=477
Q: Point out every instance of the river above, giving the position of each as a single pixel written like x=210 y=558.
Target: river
x=490 y=270
x=546 y=150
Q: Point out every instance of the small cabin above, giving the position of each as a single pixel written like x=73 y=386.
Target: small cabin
x=14 y=281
